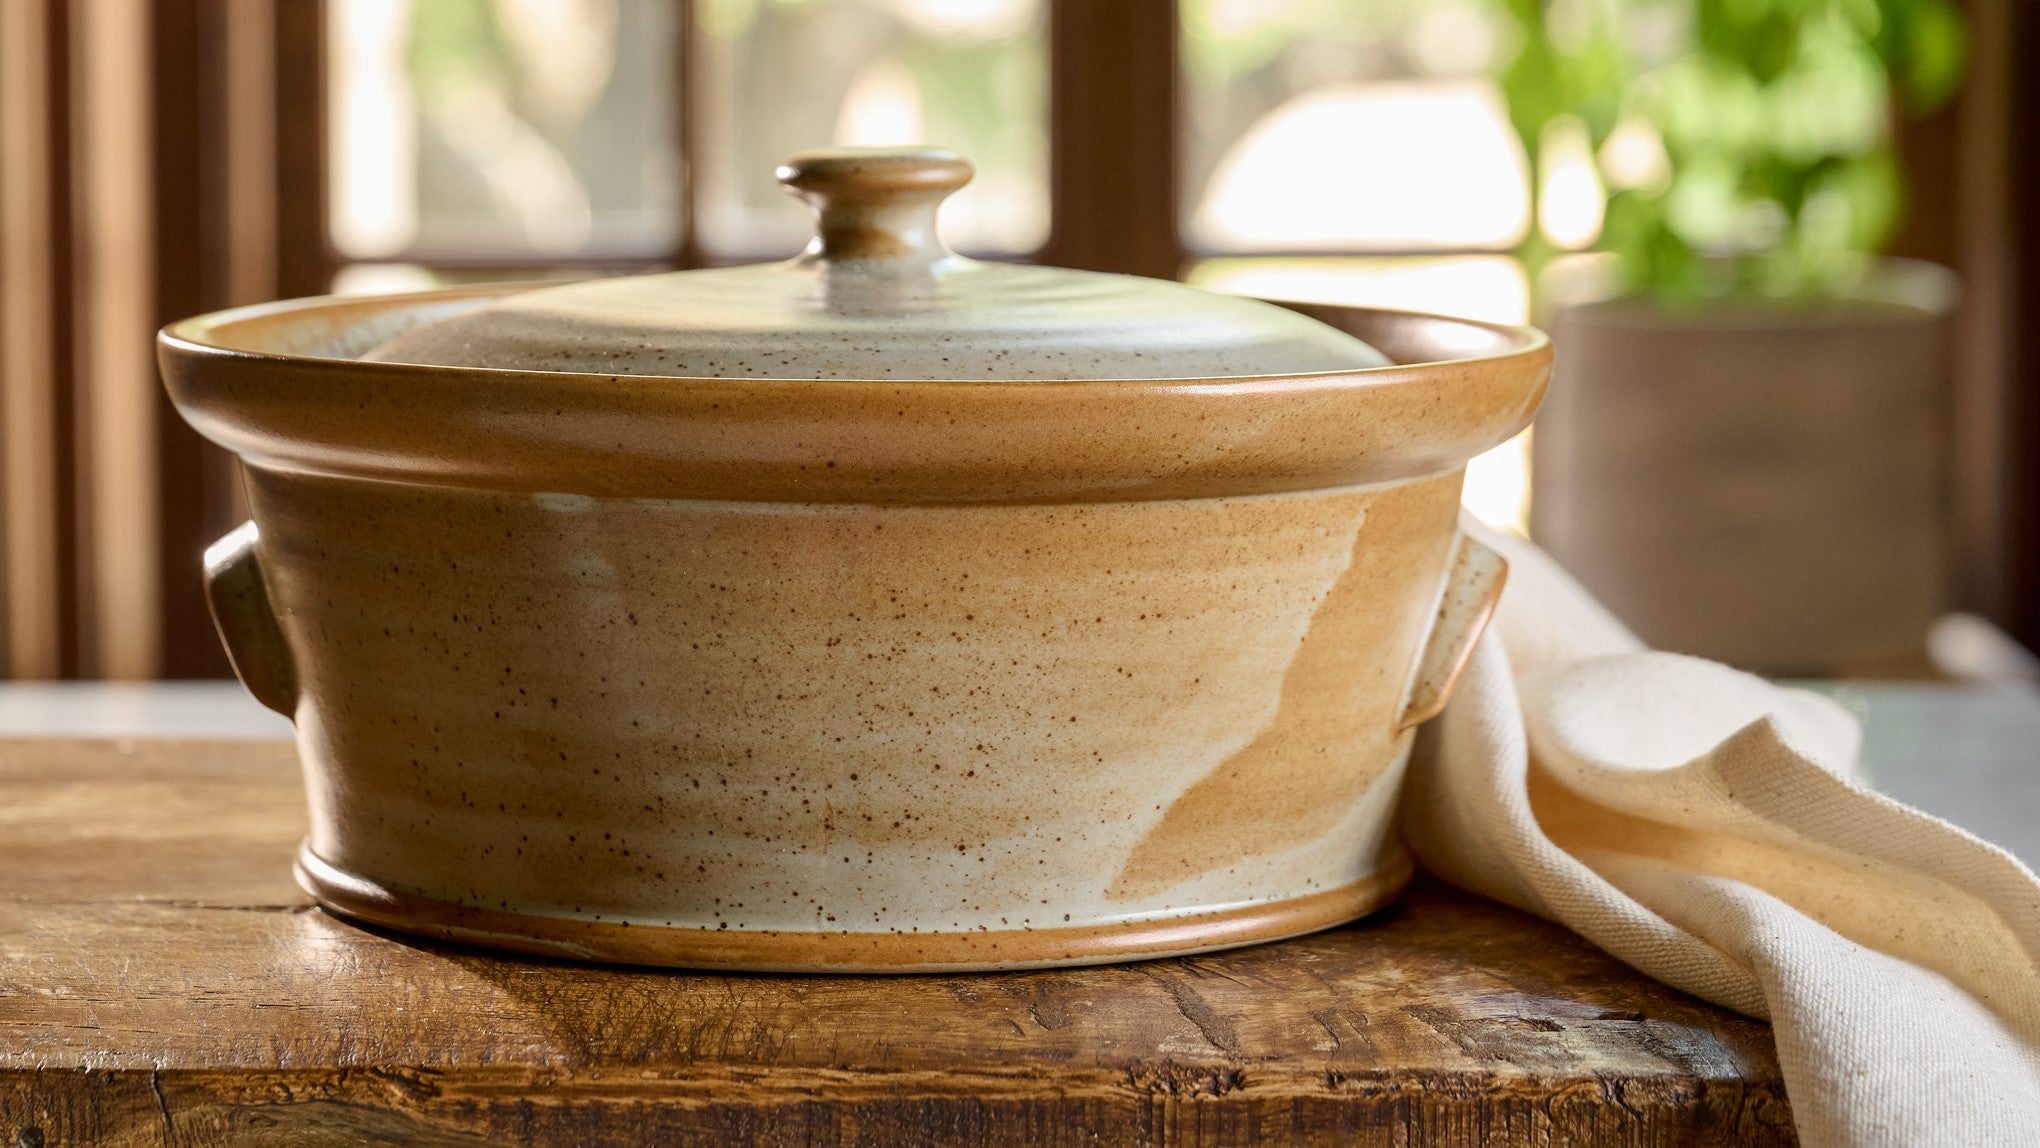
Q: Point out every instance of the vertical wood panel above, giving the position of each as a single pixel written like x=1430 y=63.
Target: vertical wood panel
x=2021 y=400
x=117 y=370
x=1977 y=424
x=29 y=301
x=206 y=235
x=248 y=82
x=1112 y=133
x=70 y=593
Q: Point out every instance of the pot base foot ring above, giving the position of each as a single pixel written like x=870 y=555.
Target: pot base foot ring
x=760 y=950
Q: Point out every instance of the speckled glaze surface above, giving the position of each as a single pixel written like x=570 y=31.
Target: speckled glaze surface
x=847 y=674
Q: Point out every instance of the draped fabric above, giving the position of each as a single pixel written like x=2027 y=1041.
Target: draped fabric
x=1709 y=829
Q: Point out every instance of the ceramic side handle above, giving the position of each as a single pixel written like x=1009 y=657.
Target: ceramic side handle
x=1473 y=585
x=239 y=597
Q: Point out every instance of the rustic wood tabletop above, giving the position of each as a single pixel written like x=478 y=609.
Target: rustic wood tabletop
x=163 y=981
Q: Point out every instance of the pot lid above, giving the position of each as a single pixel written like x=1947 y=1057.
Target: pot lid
x=877 y=295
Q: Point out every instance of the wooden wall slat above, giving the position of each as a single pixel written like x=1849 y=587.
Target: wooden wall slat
x=248 y=79
x=2020 y=440
x=30 y=574
x=116 y=291
x=1992 y=209
x=195 y=247
x=249 y=198
x=1974 y=216
x=69 y=603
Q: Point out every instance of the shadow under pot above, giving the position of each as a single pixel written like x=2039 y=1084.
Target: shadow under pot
x=877 y=610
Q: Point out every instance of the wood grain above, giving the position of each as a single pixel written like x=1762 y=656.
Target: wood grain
x=162 y=982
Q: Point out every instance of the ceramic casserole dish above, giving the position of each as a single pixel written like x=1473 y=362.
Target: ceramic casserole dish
x=877 y=610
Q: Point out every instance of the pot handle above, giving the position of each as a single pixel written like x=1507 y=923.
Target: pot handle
x=1473 y=585
x=239 y=597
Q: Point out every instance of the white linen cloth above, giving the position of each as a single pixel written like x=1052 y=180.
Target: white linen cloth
x=1709 y=829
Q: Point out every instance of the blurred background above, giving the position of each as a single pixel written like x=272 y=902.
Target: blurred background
x=1789 y=249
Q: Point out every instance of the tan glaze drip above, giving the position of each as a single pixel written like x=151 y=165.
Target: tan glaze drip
x=1335 y=730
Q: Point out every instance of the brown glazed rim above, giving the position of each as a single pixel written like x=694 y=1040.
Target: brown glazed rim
x=775 y=951
x=276 y=385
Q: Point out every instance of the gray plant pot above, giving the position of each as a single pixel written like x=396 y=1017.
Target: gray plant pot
x=1763 y=484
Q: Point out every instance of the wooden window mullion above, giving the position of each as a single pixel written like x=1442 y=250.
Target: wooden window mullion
x=194 y=251
x=304 y=257
x=691 y=252
x=38 y=495
x=1113 y=137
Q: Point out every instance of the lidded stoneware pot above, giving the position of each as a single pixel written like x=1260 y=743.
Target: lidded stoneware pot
x=880 y=609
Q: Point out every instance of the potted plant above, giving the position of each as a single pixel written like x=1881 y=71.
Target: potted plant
x=1744 y=451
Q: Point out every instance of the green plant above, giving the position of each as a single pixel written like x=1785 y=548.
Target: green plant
x=1776 y=173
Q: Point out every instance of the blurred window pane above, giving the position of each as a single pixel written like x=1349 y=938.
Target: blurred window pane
x=503 y=128
x=779 y=76
x=1346 y=125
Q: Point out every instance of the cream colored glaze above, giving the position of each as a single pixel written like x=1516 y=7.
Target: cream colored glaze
x=877 y=296
x=784 y=717
x=520 y=611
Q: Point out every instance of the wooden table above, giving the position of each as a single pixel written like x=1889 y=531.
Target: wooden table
x=162 y=981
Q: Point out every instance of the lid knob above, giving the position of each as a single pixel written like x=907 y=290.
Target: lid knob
x=876 y=203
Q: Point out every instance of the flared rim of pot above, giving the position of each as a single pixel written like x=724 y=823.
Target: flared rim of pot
x=279 y=385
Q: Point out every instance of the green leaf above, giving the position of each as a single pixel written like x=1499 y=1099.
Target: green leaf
x=1775 y=116
x=1934 y=56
